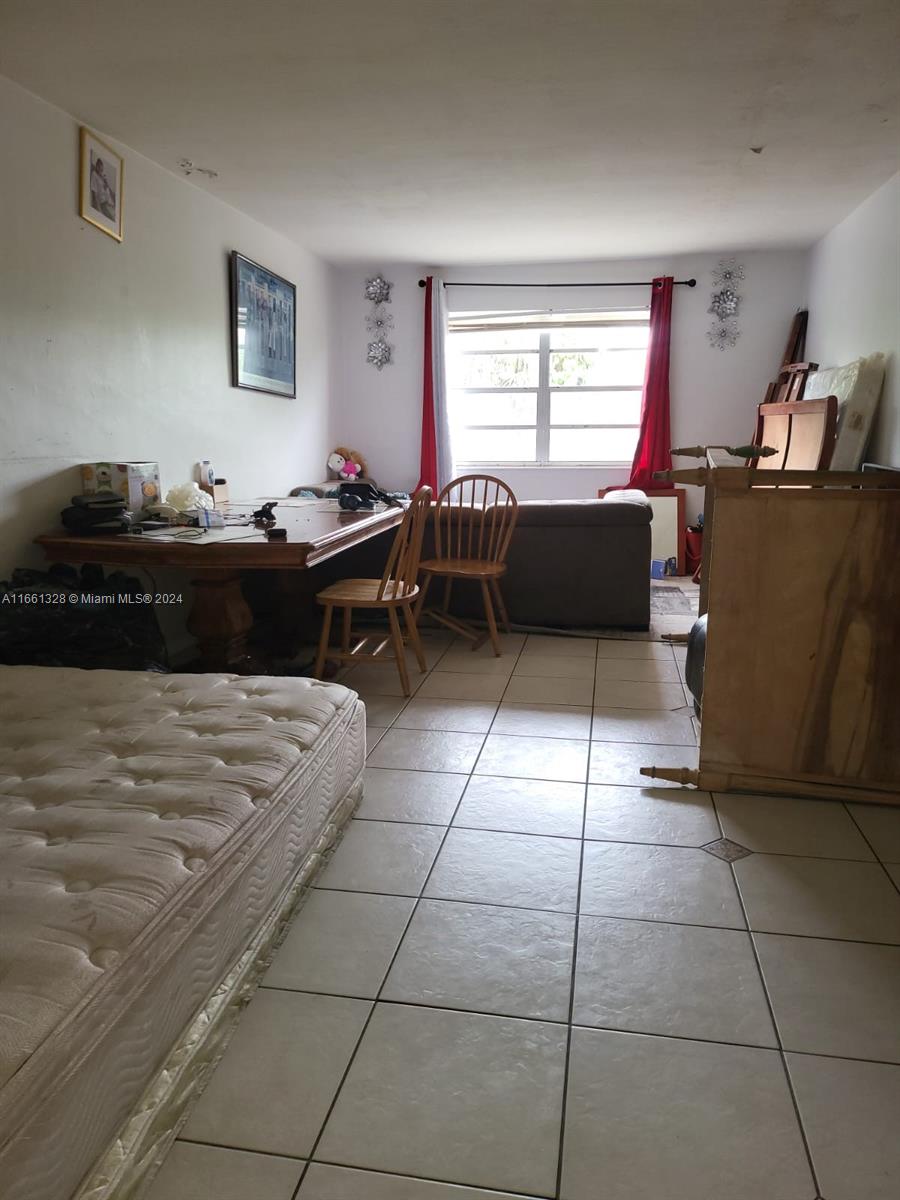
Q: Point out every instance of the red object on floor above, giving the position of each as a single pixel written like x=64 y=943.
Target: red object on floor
x=654 y=446
x=428 y=469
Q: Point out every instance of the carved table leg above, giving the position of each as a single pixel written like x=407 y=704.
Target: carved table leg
x=220 y=619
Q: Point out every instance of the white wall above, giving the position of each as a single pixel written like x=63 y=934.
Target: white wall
x=854 y=303
x=377 y=412
x=714 y=393
x=118 y=352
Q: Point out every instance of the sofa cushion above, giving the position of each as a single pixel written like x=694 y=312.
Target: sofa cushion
x=556 y=513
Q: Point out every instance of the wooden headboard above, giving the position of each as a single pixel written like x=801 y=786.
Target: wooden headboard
x=802 y=431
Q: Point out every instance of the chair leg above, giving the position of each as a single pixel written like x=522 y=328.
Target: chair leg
x=448 y=589
x=489 y=613
x=400 y=653
x=323 y=642
x=501 y=607
x=345 y=630
x=423 y=592
x=414 y=639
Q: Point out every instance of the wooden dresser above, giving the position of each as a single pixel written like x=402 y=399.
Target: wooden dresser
x=801 y=691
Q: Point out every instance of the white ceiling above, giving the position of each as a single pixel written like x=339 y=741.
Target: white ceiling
x=490 y=130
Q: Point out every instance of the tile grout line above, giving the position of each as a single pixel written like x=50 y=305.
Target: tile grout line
x=780 y=1044
x=893 y=882
x=502 y=1192
x=564 y=1022
x=374 y=1004
x=571 y=837
x=815 y=937
x=574 y=969
x=535 y=778
x=326 y=1162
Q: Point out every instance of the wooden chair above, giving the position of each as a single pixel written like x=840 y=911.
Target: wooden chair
x=396 y=589
x=474 y=519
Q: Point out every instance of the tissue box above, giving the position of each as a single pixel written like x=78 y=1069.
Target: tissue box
x=136 y=482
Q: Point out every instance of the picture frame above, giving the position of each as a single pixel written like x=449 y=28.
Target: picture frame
x=263 y=329
x=101 y=185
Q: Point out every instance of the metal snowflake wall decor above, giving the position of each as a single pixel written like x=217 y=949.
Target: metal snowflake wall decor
x=728 y=273
x=378 y=290
x=725 y=303
x=722 y=334
x=379 y=322
x=380 y=353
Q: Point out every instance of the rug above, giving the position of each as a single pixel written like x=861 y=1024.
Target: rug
x=669 y=601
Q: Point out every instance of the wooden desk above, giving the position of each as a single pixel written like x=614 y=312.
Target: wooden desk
x=220 y=618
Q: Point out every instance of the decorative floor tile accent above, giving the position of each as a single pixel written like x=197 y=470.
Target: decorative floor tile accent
x=726 y=849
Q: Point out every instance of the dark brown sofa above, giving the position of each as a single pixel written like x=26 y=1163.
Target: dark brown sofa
x=578 y=564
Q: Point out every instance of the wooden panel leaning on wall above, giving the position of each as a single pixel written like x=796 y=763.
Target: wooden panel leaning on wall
x=801 y=691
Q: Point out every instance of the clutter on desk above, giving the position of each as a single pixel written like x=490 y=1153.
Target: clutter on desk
x=264 y=515
x=214 y=485
x=354 y=496
x=208 y=518
x=136 y=482
x=188 y=497
x=204 y=473
x=97 y=513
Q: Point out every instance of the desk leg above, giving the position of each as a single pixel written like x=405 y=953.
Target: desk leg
x=220 y=619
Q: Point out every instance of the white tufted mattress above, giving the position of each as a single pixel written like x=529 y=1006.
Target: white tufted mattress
x=148 y=825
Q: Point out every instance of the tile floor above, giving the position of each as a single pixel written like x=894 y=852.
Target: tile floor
x=522 y=975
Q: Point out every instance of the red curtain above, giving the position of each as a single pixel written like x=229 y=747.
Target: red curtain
x=655 y=439
x=429 y=468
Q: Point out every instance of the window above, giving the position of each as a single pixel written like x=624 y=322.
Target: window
x=546 y=388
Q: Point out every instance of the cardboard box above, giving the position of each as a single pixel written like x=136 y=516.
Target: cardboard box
x=136 y=482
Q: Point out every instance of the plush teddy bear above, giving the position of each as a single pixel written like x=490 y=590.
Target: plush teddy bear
x=346 y=464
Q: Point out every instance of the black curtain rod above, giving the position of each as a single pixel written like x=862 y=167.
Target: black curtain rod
x=647 y=283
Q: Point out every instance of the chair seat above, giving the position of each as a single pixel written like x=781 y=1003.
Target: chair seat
x=475 y=568
x=361 y=593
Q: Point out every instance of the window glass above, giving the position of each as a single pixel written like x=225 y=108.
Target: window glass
x=613 y=337
x=592 y=445
x=518 y=379
x=495 y=408
x=602 y=368
x=585 y=407
x=484 y=370
x=494 y=445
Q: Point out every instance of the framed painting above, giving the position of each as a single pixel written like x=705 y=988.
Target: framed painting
x=101 y=182
x=263 y=329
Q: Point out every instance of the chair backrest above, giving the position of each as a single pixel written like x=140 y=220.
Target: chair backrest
x=474 y=518
x=402 y=566
x=773 y=429
x=803 y=432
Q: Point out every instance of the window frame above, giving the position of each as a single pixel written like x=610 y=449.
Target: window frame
x=544 y=392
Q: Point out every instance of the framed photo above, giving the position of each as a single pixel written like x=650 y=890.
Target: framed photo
x=263 y=329
x=102 y=178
